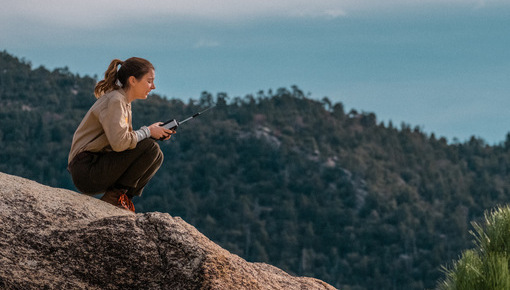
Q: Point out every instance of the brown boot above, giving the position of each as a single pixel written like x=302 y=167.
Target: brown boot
x=111 y=196
x=118 y=198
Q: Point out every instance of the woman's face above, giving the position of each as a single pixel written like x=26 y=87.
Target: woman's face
x=139 y=89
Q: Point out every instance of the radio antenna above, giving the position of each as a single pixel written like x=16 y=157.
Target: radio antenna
x=196 y=115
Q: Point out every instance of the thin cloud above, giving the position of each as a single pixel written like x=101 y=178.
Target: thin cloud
x=335 y=13
x=93 y=13
x=99 y=12
x=204 y=43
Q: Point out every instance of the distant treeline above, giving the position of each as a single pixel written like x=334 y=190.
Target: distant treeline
x=280 y=178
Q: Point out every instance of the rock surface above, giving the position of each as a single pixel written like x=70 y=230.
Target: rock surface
x=53 y=238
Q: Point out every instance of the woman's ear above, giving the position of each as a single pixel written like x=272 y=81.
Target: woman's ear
x=132 y=81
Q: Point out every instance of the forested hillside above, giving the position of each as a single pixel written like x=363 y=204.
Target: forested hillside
x=280 y=178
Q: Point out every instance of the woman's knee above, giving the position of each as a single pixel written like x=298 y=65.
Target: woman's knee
x=152 y=149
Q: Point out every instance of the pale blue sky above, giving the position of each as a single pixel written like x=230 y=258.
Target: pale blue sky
x=441 y=65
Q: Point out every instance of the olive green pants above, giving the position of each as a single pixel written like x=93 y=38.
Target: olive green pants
x=95 y=173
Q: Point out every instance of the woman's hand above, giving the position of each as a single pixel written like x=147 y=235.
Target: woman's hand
x=160 y=133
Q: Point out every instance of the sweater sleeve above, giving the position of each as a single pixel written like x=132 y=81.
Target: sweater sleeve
x=142 y=133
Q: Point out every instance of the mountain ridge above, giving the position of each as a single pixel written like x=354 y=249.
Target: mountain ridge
x=279 y=178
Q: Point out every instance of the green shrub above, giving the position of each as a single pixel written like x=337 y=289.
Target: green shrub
x=487 y=265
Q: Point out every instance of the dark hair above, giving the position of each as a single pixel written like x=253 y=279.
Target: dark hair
x=134 y=66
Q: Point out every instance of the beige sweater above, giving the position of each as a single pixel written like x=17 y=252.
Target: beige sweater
x=105 y=127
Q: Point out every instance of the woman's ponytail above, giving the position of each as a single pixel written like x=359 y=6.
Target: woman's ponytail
x=110 y=79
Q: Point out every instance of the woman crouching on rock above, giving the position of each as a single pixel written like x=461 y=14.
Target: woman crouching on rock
x=107 y=155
